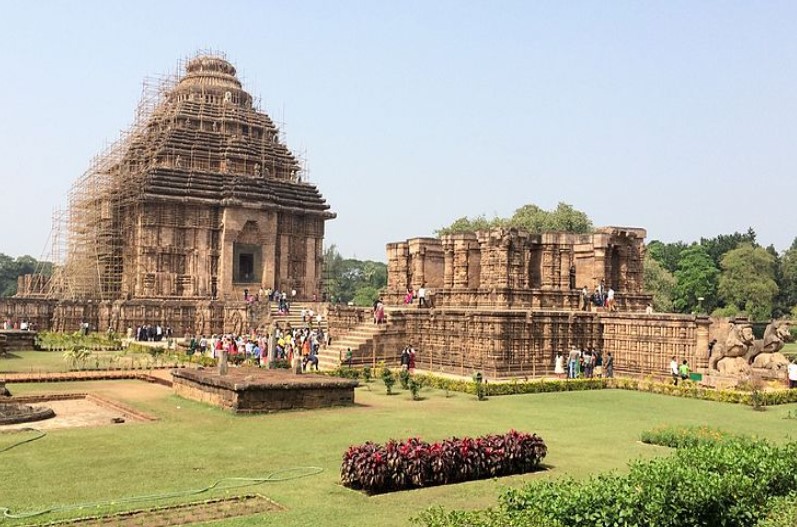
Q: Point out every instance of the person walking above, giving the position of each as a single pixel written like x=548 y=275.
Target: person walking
x=674 y=370
x=683 y=370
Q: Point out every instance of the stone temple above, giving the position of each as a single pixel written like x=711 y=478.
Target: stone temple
x=199 y=202
x=505 y=301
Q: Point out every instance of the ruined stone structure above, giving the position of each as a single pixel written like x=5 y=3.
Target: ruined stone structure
x=243 y=391
x=509 y=268
x=199 y=203
x=506 y=301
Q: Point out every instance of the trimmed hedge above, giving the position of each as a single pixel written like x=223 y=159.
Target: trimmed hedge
x=730 y=482
x=684 y=436
x=694 y=391
x=515 y=387
x=376 y=469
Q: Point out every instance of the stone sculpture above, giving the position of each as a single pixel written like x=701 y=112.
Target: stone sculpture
x=765 y=353
x=776 y=335
x=736 y=346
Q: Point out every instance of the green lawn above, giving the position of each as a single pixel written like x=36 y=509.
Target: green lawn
x=193 y=445
x=53 y=361
x=33 y=361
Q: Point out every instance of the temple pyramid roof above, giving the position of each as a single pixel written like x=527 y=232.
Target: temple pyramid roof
x=206 y=140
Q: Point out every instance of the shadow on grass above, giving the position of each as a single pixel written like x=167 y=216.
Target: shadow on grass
x=9 y=356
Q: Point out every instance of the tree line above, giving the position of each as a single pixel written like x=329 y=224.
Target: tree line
x=351 y=280
x=11 y=268
x=728 y=275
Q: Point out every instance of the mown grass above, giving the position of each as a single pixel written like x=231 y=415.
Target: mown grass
x=193 y=445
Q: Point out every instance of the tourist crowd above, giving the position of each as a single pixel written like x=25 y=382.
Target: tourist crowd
x=584 y=363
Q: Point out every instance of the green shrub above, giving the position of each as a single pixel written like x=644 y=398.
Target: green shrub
x=389 y=379
x=726 y=481
x=414 y=384
x=781 y=512
x=400 y=465
x=404 y=379
x=683 y=436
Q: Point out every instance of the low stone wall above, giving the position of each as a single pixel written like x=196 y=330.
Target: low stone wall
x=17 y=340
x=254 y=391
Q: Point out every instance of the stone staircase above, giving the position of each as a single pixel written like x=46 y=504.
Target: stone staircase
x=360 y=339
x=294 y=317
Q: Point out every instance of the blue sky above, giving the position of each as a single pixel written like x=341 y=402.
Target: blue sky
x=679 y=117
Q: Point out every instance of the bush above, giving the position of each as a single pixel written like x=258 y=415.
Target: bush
x=375 y=469
x=404 y=379
x=389 y=379
x=727 y=481
x=781 y=512
x=684 y=436
x=415 y=386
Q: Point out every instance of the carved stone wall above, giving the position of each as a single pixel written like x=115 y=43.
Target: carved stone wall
x=509 y=268
x=512 y=343
x=644 y=344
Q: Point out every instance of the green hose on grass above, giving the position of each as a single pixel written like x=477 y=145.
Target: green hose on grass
x=222 y=484
x=28 y=440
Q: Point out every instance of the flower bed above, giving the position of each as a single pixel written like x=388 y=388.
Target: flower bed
x=376 y=469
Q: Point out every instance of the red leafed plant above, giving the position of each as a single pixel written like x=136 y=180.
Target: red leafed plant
x=400 y=465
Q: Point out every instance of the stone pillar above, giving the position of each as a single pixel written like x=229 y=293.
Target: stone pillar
x=268 y=277
x=548 y=267
x=283 y=277
x=223 y=362
x=460 y=256
x=448 y=264
x=702 y=324
x=474 y=265
x=310 y=285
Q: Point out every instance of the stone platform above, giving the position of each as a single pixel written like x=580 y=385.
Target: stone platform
x=251 y=390
x=16 y=340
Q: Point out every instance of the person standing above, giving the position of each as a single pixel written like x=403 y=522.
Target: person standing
x=422 y=296
x=793 y=374
x=559 y=365
x=405 y=358
x=572 y=363
x=674 y=370
x=609 y=366
x=411 y=364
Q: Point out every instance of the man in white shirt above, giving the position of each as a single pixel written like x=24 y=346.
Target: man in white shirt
x=422 y=296
x=793 y=374
x=674 y=370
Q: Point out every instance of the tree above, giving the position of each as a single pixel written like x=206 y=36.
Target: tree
x=661 y=283
x=748 y=281
x=352 y=280
x=721 y=244
x=528 y=217
x=696 y=277
x=12 y=268
x=562 y=219
x=787 y=296
x=667 y=254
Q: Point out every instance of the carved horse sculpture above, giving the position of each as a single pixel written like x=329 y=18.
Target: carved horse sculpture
x=775 y=337
x=737 y=344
